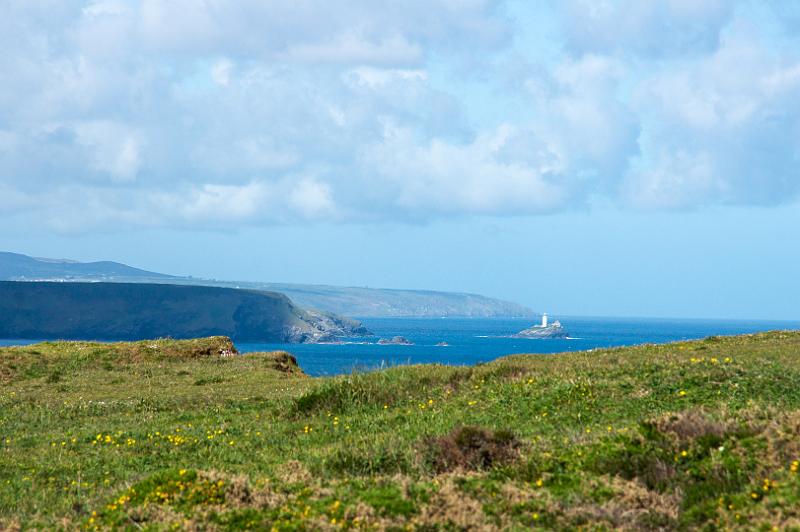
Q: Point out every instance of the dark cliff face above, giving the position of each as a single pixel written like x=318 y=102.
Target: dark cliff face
x=123 y=311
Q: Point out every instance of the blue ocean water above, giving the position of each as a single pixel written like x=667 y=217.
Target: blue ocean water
x=480 y=340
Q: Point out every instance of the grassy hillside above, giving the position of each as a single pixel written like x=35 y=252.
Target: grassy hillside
x=132 y=311
x=172 y=434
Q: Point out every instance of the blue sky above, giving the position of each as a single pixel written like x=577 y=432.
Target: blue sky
x=601 y=158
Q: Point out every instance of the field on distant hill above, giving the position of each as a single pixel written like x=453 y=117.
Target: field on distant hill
x=182 y=434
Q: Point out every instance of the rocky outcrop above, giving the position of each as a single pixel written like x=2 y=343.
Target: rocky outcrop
x=337 y=326
x=396 y=340
x=554 y=330
x=318 y=326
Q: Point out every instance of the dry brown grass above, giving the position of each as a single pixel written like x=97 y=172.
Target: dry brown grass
x=293 y=472
x=470 y=448
x=162 y=515
x=10 y=525
x=632 y=507
x=692 y=424
x=238 y=492
x=450 y=508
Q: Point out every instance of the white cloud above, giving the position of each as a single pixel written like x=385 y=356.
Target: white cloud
x=445 y=178
x=312 y=199
x=723 y=129
x=213 y=205
x=113 y=149
x=8 y=141
x=206 y=113
x=677 y=179
x=359 y=31
x=657 y=27
x=585 y=122
x=13 y=200
x=221 y=72
x=210 y=202
x=376 y=78
x=352 y=48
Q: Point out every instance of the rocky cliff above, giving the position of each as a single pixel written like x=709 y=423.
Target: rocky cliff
x=554 y=330
x=128 y=311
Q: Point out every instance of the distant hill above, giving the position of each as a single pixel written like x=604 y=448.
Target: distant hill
x=124 y=311
x=347 y=301
x=383 y=302
x=17 y=267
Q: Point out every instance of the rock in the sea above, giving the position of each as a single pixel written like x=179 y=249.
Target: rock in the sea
x=326 y=328
x=553 y=330
x=397 y=340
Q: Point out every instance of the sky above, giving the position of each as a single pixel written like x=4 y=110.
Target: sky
x=609 y=158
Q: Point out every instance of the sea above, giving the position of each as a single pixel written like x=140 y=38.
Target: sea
x=475 y=340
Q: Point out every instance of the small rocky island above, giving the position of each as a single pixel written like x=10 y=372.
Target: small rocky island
x=397 y=340
x=544 y=330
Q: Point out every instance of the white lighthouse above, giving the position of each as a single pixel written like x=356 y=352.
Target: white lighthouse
x=547 y=329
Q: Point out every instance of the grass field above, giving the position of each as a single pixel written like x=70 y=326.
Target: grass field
x=172 y=434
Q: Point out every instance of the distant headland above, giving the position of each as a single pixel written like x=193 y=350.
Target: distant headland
x=125 y=311
x=345 y=301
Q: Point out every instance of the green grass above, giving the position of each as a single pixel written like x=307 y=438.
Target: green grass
x=161 y=434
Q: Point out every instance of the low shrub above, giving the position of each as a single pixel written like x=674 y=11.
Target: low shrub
x=470 y=448
x=282 y=361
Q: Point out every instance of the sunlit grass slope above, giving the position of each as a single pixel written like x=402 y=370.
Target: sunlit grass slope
x=179 y=434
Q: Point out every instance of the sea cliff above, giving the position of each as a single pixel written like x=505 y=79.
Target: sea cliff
x=129 y=311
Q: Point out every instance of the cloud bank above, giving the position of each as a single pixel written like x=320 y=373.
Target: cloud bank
x=212 y=114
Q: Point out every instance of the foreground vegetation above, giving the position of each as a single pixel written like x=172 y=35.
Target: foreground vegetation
x=179 y=434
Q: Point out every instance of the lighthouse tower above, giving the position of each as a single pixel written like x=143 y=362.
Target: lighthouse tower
x=544 y=319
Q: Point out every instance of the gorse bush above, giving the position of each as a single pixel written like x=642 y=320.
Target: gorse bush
x=280 y=361
x=470 y=448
